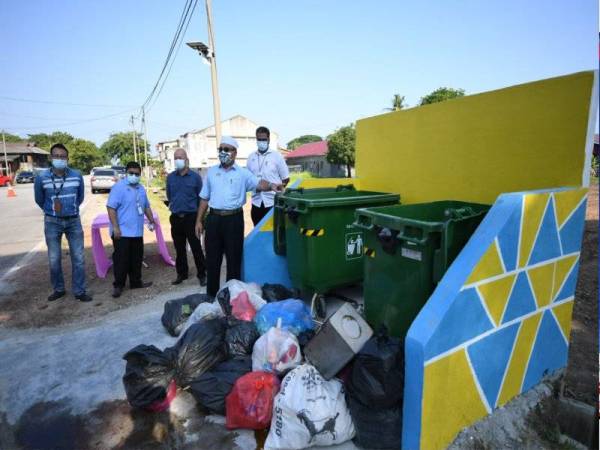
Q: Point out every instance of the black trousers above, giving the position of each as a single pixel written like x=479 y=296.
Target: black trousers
x=127 y=260
x=258 y=212
x=182 y=230
x=224 y=236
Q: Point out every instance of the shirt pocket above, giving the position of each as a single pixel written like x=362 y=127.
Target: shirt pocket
x=235 y=188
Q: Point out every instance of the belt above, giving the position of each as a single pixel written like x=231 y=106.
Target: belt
x=183 y=214
x=225 y=212
x=61 y=217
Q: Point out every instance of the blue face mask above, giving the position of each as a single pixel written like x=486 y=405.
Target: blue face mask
x=263 y=146
x=59 y=164
x=133 y=179
x=180 y=164
x=225 y=158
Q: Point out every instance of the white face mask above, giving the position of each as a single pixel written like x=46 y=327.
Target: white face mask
x=180 y=164
x=263 y=146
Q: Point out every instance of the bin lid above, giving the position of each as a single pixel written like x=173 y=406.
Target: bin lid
x=340 y=196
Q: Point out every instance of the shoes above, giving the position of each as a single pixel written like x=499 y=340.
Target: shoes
x=202 y=280
x=56 y=295
x=179 y=280
x=117 y=292
x=84 y=297
x=142 y=285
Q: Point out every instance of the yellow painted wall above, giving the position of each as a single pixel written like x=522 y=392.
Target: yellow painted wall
x=525 y=137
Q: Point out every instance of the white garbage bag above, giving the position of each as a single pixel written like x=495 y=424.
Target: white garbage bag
x=276 y=351
x=254 y=292
x=204 y=311
x=309 y=411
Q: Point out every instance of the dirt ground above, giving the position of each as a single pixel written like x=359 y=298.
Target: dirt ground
x=24 y=304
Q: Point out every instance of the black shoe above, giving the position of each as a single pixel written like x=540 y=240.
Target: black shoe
x=56 y=295
x=142 y=285
x=179 y=280
x=117 y=292
x=202 y=280
x=83 y=297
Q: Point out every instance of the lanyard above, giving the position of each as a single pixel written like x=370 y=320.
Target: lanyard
x=260 y=166
x=59 y=190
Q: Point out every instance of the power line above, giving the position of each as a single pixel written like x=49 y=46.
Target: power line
x=48 y=102
x=72 y=123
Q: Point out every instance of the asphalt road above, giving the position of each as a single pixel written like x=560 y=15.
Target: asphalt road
x=21 y=224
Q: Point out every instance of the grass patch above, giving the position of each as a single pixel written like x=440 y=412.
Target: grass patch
x=157 y=205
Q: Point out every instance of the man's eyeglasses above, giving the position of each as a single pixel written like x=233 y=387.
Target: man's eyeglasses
x=226 y=149
x=133 y=173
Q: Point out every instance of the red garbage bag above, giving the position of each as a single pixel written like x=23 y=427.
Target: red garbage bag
x=250 y=402
x=241 y=308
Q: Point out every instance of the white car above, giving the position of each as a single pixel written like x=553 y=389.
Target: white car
x=103 y=179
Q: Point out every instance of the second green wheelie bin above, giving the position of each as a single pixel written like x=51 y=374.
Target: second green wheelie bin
x=407 y=251
x=323 y=249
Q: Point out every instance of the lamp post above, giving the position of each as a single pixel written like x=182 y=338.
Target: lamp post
x=208 y=53
x=132 y=121
x=6 y=167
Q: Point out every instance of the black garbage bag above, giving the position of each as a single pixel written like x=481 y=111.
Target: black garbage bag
x=224 y=297
x=211 y=388
x=375 y=428
x=198 y=350
x=240 y=337
x=178 y=310
x=377 y=376
x=148 y=374
x=276 y=292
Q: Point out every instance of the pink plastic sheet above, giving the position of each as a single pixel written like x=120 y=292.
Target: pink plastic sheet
x=102 y=261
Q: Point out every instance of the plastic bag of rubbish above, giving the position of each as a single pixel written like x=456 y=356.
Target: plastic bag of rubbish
x=309 y=411
x=211 y=388
x=204 y=311
x=276 y=351
x=377 y=375
x=276 y=292
x=375 y=428
x=237 y=286
x=250 y=402
x=233 y=288
x=177 y=311
x=198 y=350
x=294 y=315
x=240 y=337
x=148 y=375
x=241 y=308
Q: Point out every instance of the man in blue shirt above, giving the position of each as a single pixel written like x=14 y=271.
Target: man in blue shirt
x=183 y=191
x=58 y=192
x=224 y=192
x=127 y=204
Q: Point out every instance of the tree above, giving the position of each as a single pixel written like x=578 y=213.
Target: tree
x=301 y=140
x=442 y=94
x=120 y=146
x=8 y=137
x=397 y=103
x=45 y=141
x=84 y=155
x=341 y=147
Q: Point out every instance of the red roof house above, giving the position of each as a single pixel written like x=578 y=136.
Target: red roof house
x=311 y=158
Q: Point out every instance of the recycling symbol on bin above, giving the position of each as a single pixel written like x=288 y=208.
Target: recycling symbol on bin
x=354 y=245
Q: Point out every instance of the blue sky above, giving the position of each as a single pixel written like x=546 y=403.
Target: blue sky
x=299 y=67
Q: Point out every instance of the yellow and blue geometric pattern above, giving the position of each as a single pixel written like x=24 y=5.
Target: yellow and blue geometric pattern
x=500 y=319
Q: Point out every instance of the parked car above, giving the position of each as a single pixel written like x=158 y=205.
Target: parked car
x=103 y=179
x=25 y=177
x=120 y=171
x=4 y=180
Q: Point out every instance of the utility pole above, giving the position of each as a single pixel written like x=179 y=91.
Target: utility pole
x=145 y=131
x=132 y=121
x=213 y=72
x=7 y=168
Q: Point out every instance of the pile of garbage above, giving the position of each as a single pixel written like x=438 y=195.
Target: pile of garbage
x=241 y=355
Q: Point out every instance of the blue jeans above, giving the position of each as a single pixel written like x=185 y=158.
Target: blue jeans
x=54 y=228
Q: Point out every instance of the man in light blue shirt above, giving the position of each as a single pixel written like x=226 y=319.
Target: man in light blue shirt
x=224 y=192
x=127 y=204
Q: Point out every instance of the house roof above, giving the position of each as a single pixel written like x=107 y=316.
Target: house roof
x=24 y=148
x=213 y=125
x=310 y=149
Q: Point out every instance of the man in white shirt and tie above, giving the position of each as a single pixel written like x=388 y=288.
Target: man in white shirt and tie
x=266 y=164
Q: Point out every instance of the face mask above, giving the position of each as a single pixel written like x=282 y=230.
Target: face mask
x=263 y=146
x=59 y=164
x=225 y=158
x=180 y=164
x=133 y=179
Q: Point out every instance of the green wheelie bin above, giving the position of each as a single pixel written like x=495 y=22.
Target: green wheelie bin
x=324 y=250
x=407 y=251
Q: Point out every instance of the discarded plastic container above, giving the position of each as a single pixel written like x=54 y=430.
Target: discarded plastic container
x=324 y=250
x=407 y=251
x=338 y=340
